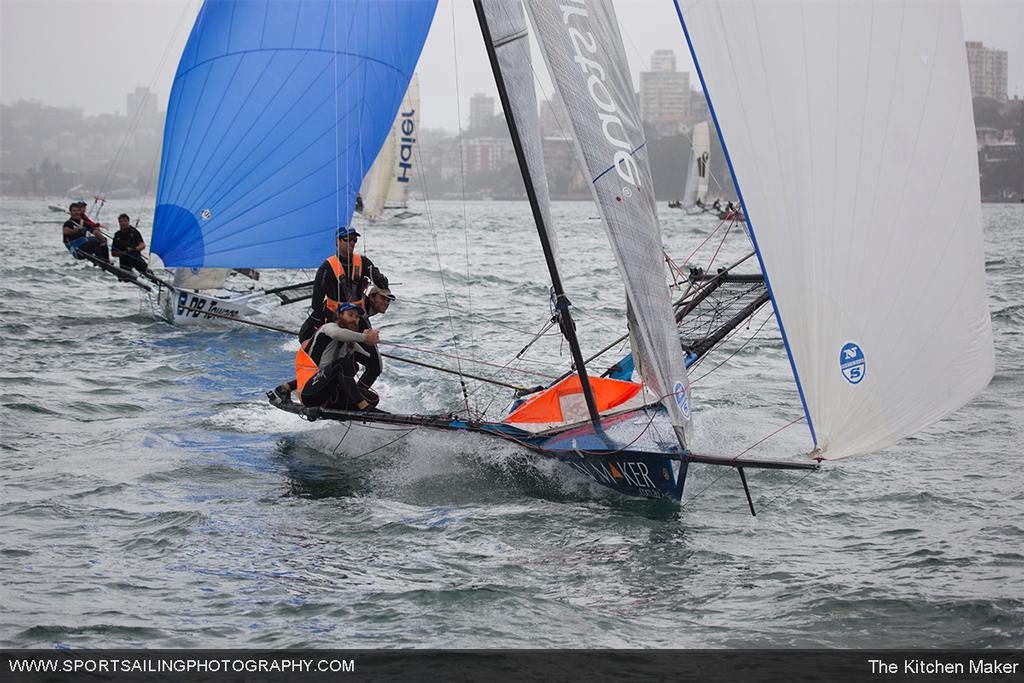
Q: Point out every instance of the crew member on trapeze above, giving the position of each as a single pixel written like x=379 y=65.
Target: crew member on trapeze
x=341 y=278
x=83 y=235
x=325 y=366
x=376 y=302
x=128 y=245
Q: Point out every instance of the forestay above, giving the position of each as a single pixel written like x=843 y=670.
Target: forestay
x=851 y=136
x=584 y=53
x=386 y=185
x=277 y=110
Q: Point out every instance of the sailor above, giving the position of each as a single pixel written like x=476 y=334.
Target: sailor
x=325 y=366
x=341 y=278
x=128 y=245
x=376 y=302
x=84 y=235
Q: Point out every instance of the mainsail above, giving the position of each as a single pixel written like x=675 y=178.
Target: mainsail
x=702 y=160
x=877 y=278
x=510 y=38
x=387 y=184
x=271 y=126
x=581 y=43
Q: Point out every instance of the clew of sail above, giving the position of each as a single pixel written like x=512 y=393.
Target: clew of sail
x=386 y=186
x=581 y=43
x=877 y=277
x=270 y=128
x=702 y=159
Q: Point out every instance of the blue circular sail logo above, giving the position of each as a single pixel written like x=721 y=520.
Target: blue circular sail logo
x=682 y=399
x=852 y=363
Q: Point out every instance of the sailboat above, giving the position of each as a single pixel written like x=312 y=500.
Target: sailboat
x=266 y=141
x=385 y=190
x=601 y=426
x=881 y=305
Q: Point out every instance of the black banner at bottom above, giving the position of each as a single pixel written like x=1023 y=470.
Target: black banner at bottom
x=592 y=666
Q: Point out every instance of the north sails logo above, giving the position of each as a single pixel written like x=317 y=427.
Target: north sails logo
x=852 y=363
x=682 y=399
x=611 y=123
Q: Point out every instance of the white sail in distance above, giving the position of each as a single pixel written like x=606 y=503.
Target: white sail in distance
x=877 y=277
x=583 y=49
x=690 y=189
x=386 y=185
x=702 y=158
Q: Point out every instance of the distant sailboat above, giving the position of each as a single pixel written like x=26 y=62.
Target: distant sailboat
x=385 y=190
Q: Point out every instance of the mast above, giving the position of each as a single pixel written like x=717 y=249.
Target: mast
x=562 y=304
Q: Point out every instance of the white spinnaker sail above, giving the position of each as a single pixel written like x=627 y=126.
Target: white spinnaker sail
x=702 y=155
x=507 y=25
x=200 y=278
x=386 y=185
x=584 y=53
x=878 y=278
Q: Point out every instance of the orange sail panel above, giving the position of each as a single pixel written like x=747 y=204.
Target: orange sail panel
x=564 y=401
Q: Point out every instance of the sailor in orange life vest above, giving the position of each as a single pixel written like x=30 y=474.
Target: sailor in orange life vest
x=341 y=278
x=325 y=366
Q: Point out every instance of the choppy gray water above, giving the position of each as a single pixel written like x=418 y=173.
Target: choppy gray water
x=151 y=498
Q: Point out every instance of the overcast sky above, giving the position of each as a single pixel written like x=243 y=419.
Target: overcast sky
x=91 y=53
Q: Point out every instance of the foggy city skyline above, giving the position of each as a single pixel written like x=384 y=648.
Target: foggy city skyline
x=138 y=44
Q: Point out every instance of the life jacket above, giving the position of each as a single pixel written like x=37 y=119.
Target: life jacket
x=305 y=367
x=355 y=279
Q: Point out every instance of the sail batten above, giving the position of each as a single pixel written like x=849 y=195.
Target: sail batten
x=867 y=229
x=270 y=130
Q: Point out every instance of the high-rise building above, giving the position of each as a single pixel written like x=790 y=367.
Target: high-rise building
x=141 y=107
x=987 y=68
x=481 y=111
x=664 y=92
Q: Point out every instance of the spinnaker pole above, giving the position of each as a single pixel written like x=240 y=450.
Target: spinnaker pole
x=562 y=304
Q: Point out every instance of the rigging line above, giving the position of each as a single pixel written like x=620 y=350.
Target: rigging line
x=701 y=245
x=471 y=360
x=462 y=184
x=137 y=119
x=444 y=287
x=786 y=490
x=380 y=448
x=742 y=346
x=334 y=451
x=737 y=456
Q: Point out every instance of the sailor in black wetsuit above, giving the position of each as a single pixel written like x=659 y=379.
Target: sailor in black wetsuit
x=326 y=364
x=82 y=235
x=341 y=278
x=376 y=302
x=128 y=245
